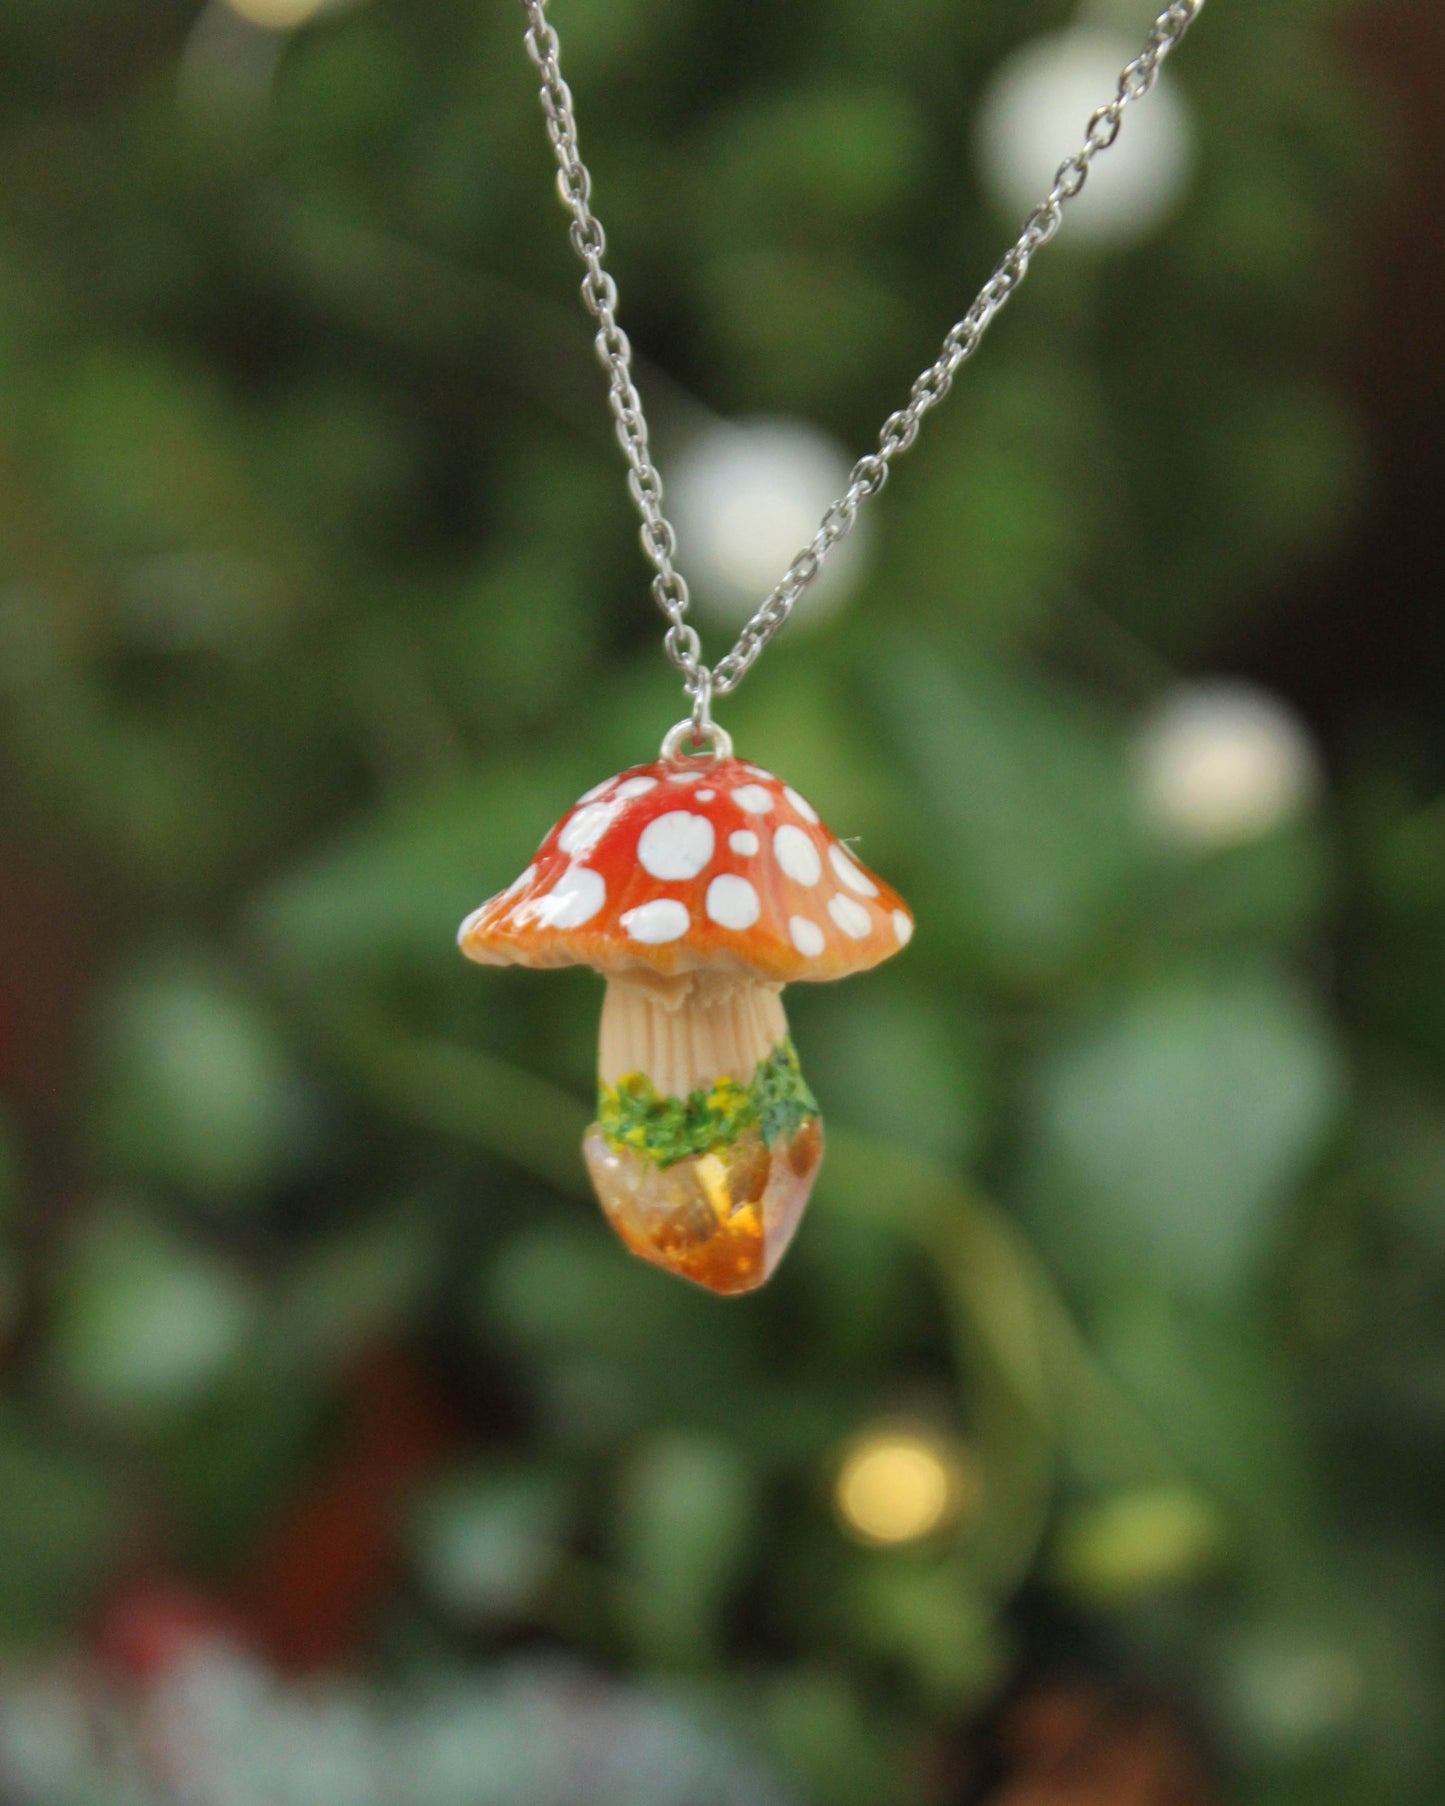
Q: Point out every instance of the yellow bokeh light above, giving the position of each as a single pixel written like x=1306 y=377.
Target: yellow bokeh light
x=277 y=15
x=896 y=1486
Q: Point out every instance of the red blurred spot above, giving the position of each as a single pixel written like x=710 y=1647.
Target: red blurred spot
x=47 y=942
x=320 y=1576
x=1077 y=1746
x=153 y=1625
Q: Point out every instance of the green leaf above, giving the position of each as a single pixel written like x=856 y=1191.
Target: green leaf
x=1212 y=1386
x=780 y=163
x=147 y=449
x=482 y=1541
x=366 y=1281
x=895 y=1063
x=197 y=1087
x=687 y=1508
x=144 y=1324
x=1134 y=1545
x=599 y=1336
x=930 y=1618
x=64 y=1521
x=1172 y=1132
x=1026 y=815
x=993 y=527
x=842 y=1749
x=789 y=315
x=393 y=888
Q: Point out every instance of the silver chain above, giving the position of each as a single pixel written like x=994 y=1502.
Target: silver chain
x=870 y=473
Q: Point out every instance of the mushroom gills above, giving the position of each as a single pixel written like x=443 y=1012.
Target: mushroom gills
x=708 y=1139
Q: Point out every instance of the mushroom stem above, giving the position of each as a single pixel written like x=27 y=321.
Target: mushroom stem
x=707 y=1140
x=688 y=1039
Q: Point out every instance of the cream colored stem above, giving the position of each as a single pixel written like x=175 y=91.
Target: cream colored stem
x=683 y=1045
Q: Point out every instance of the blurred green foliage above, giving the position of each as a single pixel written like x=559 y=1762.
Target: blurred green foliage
x=320 y=600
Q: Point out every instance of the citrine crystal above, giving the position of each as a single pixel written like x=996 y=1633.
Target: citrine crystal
x=721 y=1218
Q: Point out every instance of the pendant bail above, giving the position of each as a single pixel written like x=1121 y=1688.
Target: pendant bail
x=683 y=745
x=699 y=736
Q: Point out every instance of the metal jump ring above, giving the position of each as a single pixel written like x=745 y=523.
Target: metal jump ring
x=701 y=688
x=686 y=743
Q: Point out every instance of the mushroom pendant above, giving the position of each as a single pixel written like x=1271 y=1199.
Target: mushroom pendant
x=698 y=887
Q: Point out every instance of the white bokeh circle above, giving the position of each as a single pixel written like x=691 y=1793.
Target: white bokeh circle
x=1035 y=113
x=746 y=497
x=284 y=15
x=1222 y=762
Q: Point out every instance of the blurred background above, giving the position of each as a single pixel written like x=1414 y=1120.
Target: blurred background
x=1089 y=1448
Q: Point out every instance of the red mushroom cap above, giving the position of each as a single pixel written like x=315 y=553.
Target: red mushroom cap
x=670 y=869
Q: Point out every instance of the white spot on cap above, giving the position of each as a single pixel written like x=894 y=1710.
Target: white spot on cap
x=807 y=936
x=733 y=903
x=706 y=796
x=850 y=874
x=744 y=842
x=574 y=899
x=683 y=777
x=797 y=855
x=589 y=796
x=903 y=926
x=758 y=772
x=634 y=787
x=851 y=917
x=513 y=889
x=586 y=828
x=656 y=923
x=800 y=803
x=753 y=798
x=676 y=845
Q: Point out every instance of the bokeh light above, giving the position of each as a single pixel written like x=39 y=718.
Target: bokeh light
x=341 y=1447
x=746 y=497
x=277 y=15
x=899 y=1485
x=1221 y=762
x=1140 y=1543
x=1284 y=1687
x=1033 y=117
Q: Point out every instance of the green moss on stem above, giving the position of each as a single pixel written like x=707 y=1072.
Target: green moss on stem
x=777 y=1101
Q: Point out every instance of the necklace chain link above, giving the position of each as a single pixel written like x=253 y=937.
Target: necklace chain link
x=614 y=351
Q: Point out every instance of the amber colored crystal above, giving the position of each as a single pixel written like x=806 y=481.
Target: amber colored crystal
x=721 y=1219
